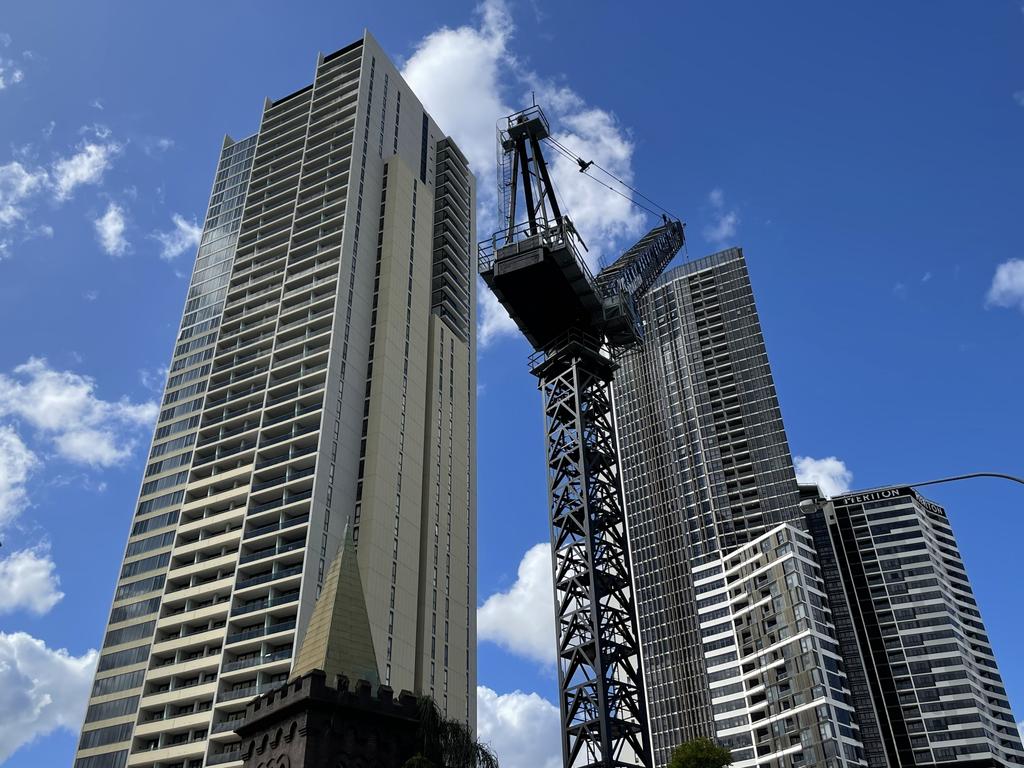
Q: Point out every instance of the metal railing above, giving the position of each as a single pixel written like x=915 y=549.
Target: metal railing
x=224 y=757
x=286 y=478
x=249 y=634
x=280 y=502
x=267 y=602
x=265 y=577
x=574 y=337
x=271 y=552
x=255 y=661
x=278 y=526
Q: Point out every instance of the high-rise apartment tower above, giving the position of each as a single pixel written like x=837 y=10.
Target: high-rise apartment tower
x=320 y=399
x=928 y=664
x=796 y=630
x=706 y=468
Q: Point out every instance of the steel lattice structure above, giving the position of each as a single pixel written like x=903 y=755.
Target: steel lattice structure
x=575 y=322
x=603 y=707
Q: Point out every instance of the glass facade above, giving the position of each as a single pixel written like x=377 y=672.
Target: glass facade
x=139 y=592
x=706 y=468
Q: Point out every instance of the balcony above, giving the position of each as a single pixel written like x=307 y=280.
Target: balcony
x=292 y=454
x=224 y=453
x=271 y=552
x=278 y=526
x=306 y=319
x=267 y=577
x=224 y=434
x=286 y=499
x=268 y=602
x=297 y=474
x=276 y=382
x=247 y=693
x=249 y=634
x=293 y=415
x=255 y=661
x=300 y=391
x=224 y=757
x=226 y=725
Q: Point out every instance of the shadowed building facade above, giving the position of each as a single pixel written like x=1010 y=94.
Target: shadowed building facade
x=321 y=391
x=706 y=468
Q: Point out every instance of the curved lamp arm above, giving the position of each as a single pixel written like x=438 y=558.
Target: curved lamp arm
x=968 y=476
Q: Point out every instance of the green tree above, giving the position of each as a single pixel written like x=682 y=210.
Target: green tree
x=700 y=753
x=448 y=743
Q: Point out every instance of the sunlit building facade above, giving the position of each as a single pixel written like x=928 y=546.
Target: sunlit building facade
x=322 y=390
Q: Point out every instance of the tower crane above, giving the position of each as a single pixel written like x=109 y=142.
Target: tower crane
x=577 y=324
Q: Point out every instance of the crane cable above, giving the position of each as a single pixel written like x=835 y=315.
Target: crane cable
x=584 y=164
x=574 y=159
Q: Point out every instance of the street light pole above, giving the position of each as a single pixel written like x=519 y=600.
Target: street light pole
x=968 y=476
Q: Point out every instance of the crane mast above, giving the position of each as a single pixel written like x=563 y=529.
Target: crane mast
x=577 y=324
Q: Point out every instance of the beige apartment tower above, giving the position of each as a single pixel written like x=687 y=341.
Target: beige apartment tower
x=317 y=429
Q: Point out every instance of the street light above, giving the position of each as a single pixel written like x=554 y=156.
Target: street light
x=967 y=477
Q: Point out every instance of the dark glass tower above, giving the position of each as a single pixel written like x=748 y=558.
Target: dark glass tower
x=706 y=468
x=929 y=665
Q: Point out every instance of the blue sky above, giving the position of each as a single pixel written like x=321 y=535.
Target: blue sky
x=868 y=157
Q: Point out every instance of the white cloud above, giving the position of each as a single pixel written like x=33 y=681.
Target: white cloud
x=63 y=406
x=724 y=223
x=1007 y=289
x=153 y=146
x=154 y=379
x=30 y=581
x=16 y=463
x=457 y=74
x=185 y=235
x=10 y=71
x=22 y=185
x=86 y=166
x=91 y=295
x=1019 y=98
x=41 y=690
x=829 y=474
x=521 y=728
x=96 y=104
x=522 y=620
x=98 y=130
x=110 y=228
x=494 y=320
x=17 y=184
